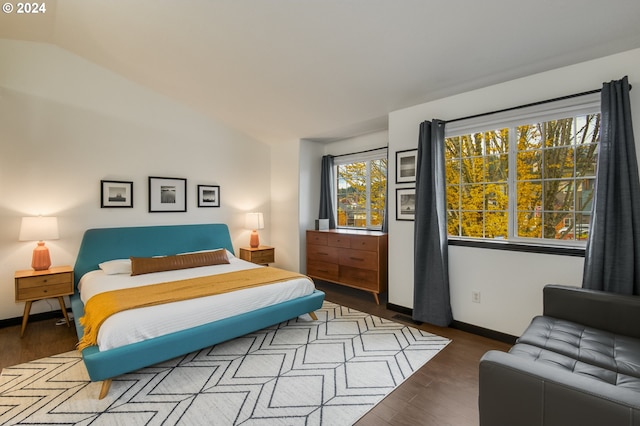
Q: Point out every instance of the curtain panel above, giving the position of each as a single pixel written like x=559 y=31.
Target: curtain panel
x=612 y=257
x=431 y=300
x=326 y=191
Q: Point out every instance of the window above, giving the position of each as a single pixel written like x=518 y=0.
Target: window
x=525 y=178
x=361 y=189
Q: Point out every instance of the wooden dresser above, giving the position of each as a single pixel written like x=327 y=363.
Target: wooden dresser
x=349 y=257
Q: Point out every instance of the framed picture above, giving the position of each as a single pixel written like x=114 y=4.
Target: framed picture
x=406 y=166
x=405 y=204
x=167 y=195
x=208 y=196
x=115 y=193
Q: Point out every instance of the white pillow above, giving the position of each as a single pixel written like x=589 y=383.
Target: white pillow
x=117 y=266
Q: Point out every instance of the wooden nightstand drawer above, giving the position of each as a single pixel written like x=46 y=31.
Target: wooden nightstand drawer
x=262 y=255
x=43 y=291
x=42 y=286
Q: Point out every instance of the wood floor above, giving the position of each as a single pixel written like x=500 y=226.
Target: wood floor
x=443 y=392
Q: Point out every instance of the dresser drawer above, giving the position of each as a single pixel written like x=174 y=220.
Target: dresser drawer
x=360 y=242
x=322 y=253
x=361 y=278
x=358 y=258
x=339 y=240
x=328 y=271
x=317 y=238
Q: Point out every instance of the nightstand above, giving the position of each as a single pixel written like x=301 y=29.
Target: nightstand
x=36 y=285
x=262 y=255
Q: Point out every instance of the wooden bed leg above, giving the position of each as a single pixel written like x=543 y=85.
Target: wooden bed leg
x=105 y=388
x=313 y=316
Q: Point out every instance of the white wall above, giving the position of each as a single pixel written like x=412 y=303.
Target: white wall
x=65 y=124
x=285 y=209
x=510 y=283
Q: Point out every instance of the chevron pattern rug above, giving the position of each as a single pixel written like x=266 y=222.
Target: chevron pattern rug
x=300 y=372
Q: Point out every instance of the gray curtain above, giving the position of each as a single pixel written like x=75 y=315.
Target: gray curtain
x=431 y=301
x=326 y=193
x=612 y=258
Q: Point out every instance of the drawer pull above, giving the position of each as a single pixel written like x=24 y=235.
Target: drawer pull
x=323 y=270
x=323 y=254
x=357 y=258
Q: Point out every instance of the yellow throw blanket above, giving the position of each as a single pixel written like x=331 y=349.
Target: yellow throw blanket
x=103 y=305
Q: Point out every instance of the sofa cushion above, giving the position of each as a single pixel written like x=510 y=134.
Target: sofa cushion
x=619 y=354
x=572 y=365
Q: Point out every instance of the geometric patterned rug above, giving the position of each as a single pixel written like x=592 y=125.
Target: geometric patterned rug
x=300 y=372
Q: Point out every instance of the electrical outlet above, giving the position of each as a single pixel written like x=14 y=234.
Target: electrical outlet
x=475 y=296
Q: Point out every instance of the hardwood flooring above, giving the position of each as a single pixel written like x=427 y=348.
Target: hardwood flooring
x=443 y=392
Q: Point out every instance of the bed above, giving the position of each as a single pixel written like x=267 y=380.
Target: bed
x=108 y=244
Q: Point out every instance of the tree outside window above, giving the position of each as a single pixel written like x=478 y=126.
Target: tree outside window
x=361 y=193
x=531 y=181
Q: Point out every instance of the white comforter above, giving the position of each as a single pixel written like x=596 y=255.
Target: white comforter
x=144 y=323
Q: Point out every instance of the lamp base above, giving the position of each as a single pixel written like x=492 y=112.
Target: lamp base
x=40 y=260
x=254 y=242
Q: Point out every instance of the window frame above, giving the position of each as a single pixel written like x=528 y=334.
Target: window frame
x=359 y=157
x=534 y=113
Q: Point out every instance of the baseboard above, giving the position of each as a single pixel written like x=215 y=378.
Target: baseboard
x=458 y=325
x=10 y=322
x=484 y=332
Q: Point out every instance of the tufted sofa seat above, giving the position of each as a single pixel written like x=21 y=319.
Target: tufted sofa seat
x=577 y=364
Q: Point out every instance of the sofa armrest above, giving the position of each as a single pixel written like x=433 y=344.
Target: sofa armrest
x=514 y=390
x=616 y=313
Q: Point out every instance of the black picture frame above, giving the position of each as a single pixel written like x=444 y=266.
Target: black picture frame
x=167 y=194
x=405 y=204
x=406 y=166
x=116 y=194
x=208 y=195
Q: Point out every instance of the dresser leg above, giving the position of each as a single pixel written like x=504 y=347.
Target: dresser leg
x=64 y=310
x=375 y=296
x=25 y=316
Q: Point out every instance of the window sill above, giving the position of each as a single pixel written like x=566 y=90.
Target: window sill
x=528 y=248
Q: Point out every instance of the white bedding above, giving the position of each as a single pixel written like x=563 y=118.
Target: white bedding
x=144 y=323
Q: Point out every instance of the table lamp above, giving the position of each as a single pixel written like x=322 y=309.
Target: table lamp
x=39 y=229
x=254 y=221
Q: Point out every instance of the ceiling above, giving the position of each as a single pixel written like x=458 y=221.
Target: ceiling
x=282 y=70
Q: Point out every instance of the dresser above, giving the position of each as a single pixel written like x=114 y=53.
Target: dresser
x=353 y=258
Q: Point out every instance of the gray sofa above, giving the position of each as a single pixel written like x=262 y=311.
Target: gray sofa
x=577 y=364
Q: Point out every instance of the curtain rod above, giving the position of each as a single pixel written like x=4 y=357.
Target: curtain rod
x=361 y=152
x=575 y=95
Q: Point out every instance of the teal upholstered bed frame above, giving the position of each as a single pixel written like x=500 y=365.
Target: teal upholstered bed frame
x=99 y=245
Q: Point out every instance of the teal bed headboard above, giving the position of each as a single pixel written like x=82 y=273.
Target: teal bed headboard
x=102 y=244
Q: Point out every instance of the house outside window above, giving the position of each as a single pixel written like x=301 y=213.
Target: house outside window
x=528 y=177
x=361 y=182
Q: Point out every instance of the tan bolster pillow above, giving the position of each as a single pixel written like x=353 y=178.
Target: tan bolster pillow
x=146 y=265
